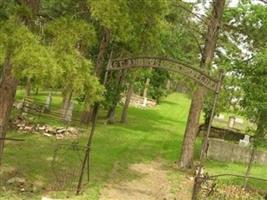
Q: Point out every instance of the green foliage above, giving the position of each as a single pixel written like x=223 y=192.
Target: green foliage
x=113 y=15
x=71 y=39
x=70 y=34
x=248 y=67
x=157 y=87
x=28 y=56
x=254 y=84
x=136 y=22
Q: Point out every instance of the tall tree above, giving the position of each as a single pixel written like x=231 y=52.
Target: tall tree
x=22 y=54
x=187 y=153
x=71 y=39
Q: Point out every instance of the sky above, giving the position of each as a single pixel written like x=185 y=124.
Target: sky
x=232 y=3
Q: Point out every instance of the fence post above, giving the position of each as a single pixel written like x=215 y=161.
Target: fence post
x=198 y=179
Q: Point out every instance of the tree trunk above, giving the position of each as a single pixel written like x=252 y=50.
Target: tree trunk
x=187 y=154
x=145 y=92
x=48 y=102
x=66 y=102
x=112 y=110
x=36 y=91
x=259 y=136
x=8 y=86
x=111 y=114
x=186 y=159
x=8 y=83
x=86 y=116
x=87 y=113
x=101 y=52
x=168 y=85
x=252 y=155
x=126 y=104
x=28 y=88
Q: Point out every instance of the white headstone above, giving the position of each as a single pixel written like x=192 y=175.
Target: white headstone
x=48 y=101
x=145 y=102
x=245 y=141
x=231 y=122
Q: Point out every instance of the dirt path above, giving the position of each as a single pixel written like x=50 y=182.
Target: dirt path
x=152 y=184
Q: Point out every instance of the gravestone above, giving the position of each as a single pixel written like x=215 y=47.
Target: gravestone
x=48 y=102
x=231 y=122
x=245 y=141
x=145 y=102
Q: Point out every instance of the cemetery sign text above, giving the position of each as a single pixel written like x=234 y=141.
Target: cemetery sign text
x=168 y=64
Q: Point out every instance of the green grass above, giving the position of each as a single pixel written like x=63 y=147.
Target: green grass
x=149 y=134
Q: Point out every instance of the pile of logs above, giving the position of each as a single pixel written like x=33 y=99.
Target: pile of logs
x=46 y=130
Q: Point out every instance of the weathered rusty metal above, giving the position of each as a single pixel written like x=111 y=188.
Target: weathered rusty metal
x=169 y=64
x=204 y=149
x=87 y=155
x=150 y=62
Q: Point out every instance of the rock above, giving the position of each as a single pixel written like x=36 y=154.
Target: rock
x=18 y=105
x=61 y=130
x=48 y=135
x=36 y=127
x=67 y=133
x=21 y=125
x=42 y=128
x=28 y=128
x=50 y=129
x=73 y=130
x=16 y=180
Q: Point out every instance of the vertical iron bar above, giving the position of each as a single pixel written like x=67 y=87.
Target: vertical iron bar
x=88 y=146
x=198 y=179
x=205 y=142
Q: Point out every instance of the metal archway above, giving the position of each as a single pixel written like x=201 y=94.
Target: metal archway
x=169 y=64
x=193 y=73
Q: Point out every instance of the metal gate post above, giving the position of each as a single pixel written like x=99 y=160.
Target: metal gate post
x=205 y=140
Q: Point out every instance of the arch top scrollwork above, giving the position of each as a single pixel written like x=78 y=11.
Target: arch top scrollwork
x=169 y=64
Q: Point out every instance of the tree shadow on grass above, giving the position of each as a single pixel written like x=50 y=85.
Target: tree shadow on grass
x=148 y=135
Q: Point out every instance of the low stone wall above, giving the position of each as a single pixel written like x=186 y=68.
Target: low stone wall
x=221 y=133
x=226 y=151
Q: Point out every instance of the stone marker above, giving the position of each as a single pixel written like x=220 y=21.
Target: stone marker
x=48 y=102
x=231 y=122
x=244 y=142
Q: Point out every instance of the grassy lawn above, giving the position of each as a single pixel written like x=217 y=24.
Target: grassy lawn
x=150 y=134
